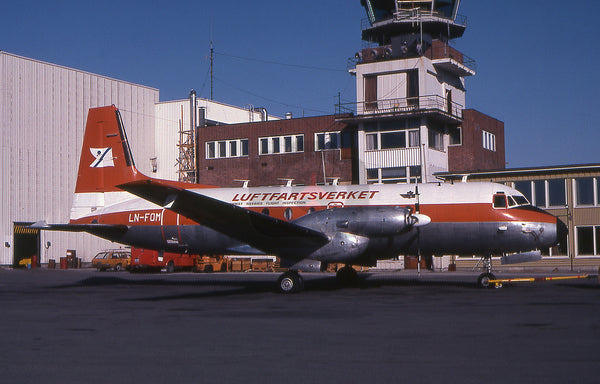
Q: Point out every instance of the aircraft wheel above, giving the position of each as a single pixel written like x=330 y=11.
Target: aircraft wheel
x=290 y=282
x=170 y=267
x=347 y=277
x=484 y=280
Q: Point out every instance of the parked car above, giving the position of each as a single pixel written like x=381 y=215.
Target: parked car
x=115 y=259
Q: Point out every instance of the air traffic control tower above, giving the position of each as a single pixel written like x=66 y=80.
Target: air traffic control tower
x=410 y=86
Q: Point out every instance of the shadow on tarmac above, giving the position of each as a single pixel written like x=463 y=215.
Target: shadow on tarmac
x=238 y=285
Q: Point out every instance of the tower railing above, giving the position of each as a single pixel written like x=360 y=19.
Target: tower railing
x=444 y=51
x=406 y=105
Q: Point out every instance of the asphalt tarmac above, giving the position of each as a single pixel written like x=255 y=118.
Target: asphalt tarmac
x=84 y=326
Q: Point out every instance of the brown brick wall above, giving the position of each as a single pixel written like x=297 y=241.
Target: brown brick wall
x=471 y=156
x=305 y=167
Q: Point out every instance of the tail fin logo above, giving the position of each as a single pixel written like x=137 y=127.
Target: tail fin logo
x=104 y=157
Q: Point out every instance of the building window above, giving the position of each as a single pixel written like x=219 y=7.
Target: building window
x=525 y=188
x=539 y=194
x=393 y=139
x=281 y=144
x=587 y=244
x=489 y=141
x=210 y=150
x=394 y=175
x=436 y=139
x=327 y=140
x=455 y=136
x=300 y=143
x=226 y=148
x=557 y=196
x=543 y=193
x=584 y=191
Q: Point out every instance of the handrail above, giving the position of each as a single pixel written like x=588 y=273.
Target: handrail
x=402 y=105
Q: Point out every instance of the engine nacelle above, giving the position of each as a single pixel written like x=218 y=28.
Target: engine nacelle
x=362 y=221
x=343 y=247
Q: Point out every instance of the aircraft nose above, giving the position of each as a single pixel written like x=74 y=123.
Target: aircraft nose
x=561 y=231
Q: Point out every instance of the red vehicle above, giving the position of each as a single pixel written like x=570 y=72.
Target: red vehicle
x=153 y=261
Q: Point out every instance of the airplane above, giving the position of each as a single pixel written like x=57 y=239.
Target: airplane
x=305 y=226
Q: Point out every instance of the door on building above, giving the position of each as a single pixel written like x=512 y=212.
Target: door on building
x=26 y=243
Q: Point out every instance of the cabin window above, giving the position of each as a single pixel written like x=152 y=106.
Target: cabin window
x=288 y=214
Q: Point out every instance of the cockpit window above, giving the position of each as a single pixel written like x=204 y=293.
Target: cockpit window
x=500 y=201
x=503 y=201
x=521 y=200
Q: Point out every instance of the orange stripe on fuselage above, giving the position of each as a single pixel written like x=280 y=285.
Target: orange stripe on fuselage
x=439 y=213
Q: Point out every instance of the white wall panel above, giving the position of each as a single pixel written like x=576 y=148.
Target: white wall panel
x=169 y=118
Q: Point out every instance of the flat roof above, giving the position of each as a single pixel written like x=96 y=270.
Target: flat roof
x=553 y=169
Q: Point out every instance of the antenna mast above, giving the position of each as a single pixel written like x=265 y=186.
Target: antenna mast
x=211 y=69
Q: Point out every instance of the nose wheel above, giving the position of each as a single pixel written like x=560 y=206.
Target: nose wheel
x=483 y=280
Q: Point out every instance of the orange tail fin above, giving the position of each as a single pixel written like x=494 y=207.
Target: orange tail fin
x=106 y=159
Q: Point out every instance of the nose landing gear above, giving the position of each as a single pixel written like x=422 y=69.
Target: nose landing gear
x=484 y=279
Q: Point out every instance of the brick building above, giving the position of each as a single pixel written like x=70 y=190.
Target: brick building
x=479 y=144
x=307 y=150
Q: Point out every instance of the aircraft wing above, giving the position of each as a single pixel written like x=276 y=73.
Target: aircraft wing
x=268 y=234
x=101 y=230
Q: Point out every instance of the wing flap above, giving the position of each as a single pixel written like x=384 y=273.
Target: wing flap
x=268 y=234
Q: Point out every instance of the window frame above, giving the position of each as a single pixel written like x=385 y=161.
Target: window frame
x=488 y=140
x=214 y=149
x=334 y=136
x=576 y=190
x=297 y=144
x=377 y=139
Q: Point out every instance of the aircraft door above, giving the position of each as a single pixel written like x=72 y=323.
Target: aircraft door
x=172 y=233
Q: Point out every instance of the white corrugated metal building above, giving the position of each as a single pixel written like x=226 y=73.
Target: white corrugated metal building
x=43 y=111
x=174 y=116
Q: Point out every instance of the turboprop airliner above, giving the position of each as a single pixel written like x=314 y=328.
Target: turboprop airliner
x=305 y=226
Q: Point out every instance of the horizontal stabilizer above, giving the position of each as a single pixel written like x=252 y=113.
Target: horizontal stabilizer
x=101 y=230
x=268 y=234
x=524 y=257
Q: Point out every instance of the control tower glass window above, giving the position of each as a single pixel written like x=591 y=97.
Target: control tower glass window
x=446 y=8
x=378 y=10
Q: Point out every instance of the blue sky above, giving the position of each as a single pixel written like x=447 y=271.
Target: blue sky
x=535 y=59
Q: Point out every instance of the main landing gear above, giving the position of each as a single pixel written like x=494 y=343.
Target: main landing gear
x=292 y=282
x=346 y=276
